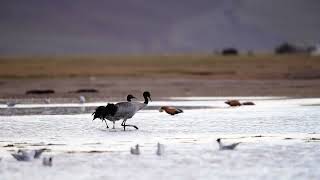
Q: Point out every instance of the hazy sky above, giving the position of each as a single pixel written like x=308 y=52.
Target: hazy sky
x=154 y=26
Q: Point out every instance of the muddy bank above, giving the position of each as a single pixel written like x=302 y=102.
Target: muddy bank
x=116 y=88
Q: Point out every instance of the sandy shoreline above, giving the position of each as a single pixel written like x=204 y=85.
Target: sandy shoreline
x=164 y=76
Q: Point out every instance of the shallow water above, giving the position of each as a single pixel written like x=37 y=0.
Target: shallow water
x=279 y=141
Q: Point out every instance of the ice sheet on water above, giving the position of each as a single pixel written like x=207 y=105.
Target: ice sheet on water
x=279 y=140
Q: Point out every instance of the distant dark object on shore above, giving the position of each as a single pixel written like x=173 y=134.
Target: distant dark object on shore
x=229 y=52
x=287 y=48
x=85 y=91
x=237 y=103
x=38 y=92
x=250 y=53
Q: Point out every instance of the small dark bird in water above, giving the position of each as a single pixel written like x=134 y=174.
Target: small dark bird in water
x=136 y=150
x=160 y=149
x=47 y=101
x=24 y=155
x=170 y=110
x=237 y=103
x=233 y=103
x=47 y=161
x=11 y=104
x=248 y=103
x=227 y=147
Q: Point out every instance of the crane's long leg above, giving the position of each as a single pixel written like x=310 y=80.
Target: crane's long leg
x=124 y=125
x=113 y=124
x=105 y=122
x=132 y=126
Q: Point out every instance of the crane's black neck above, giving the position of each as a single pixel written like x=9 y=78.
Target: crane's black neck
x=146 y=100
x=146 y=95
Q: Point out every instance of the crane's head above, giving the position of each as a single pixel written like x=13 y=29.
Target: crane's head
x=146 y=95
x=163 y=108
x=129 y=97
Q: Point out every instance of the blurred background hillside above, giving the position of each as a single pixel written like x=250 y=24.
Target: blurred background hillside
x=60 y=27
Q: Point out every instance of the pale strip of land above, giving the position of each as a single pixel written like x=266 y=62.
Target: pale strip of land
x=174 y=75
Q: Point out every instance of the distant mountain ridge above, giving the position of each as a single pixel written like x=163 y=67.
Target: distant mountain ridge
x=151 y=26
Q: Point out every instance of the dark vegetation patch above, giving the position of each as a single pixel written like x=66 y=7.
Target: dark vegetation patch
x=86 y=91
x=288 y=138
x=40 y=91
x=229 y=52
x=9 y=145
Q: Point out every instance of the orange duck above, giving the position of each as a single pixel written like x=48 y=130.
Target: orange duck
x=170 y=110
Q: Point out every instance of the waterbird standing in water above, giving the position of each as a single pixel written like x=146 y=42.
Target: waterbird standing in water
x=170 y=110
x=47 y=101
x=101 y=112
x=233 y=103
x=136 y=150
x=11 y=103
x=227 y=147
x=237 y=103
x=248 y=103
x=160 y=149
x=82 y=99
x=125 y=110
x=24 y=155
x=47 y=161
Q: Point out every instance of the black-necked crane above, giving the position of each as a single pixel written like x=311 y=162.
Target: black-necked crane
x=101 y=112
x=123 y=110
